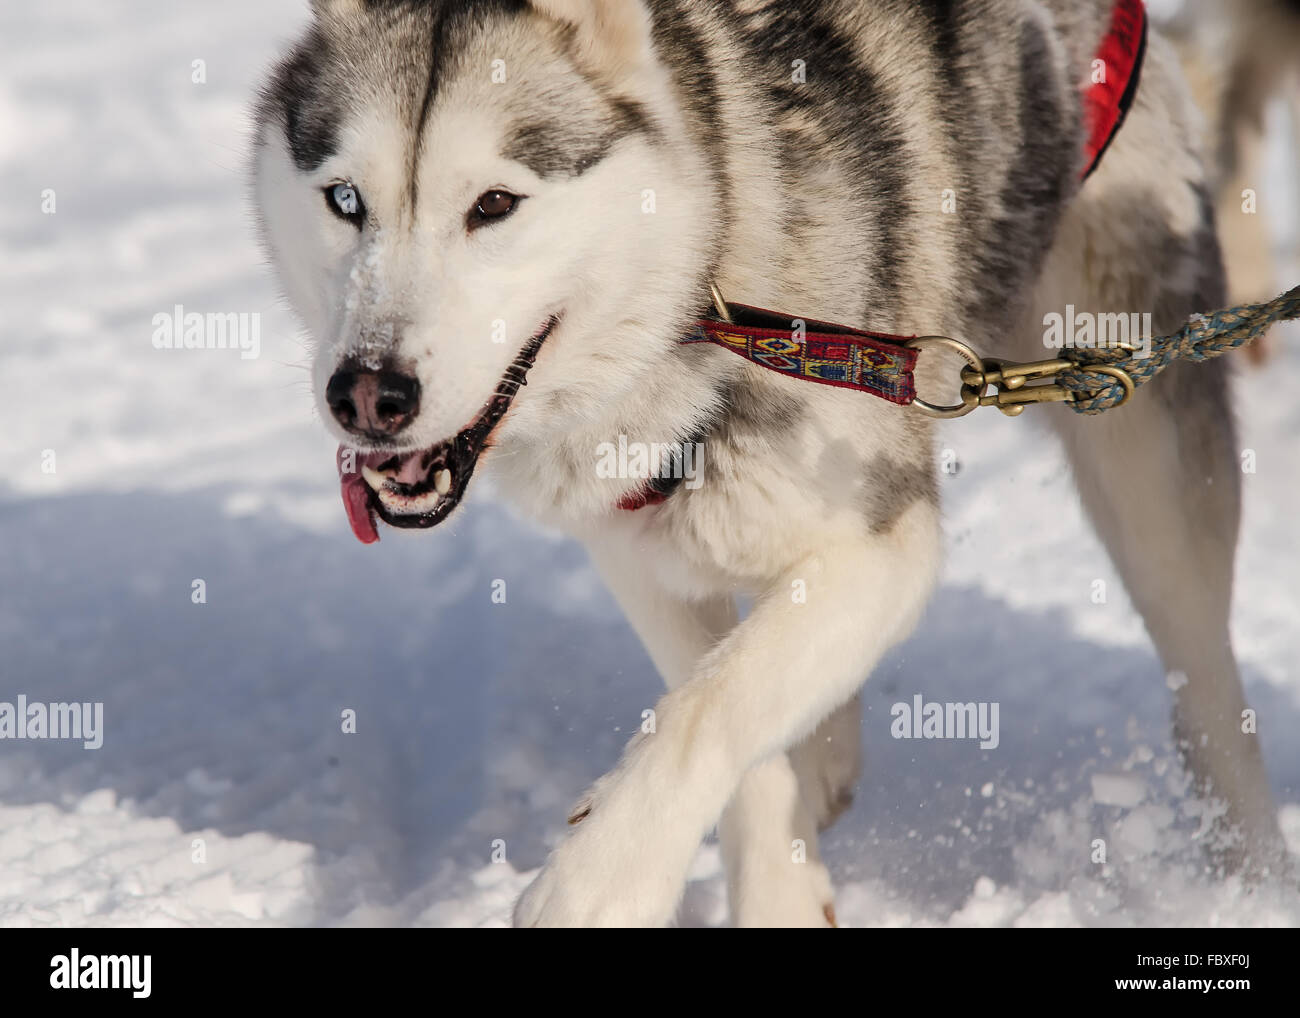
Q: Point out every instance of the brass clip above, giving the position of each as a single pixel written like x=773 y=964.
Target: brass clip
x=1011 y=381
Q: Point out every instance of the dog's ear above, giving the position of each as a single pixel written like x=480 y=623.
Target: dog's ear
x=611 y=37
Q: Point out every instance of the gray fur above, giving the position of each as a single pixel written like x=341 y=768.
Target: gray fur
x=748 y=411
x=550 y=147
x=891 y=487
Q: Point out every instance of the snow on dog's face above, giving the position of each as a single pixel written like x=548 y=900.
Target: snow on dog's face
x=456 y=195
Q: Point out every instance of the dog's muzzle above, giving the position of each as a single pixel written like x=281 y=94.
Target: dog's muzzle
x=420 y=488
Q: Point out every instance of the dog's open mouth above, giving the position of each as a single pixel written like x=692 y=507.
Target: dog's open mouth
x=421 y=487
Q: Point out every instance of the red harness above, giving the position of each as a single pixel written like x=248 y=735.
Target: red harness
x=877 y=362
x=1119 y=60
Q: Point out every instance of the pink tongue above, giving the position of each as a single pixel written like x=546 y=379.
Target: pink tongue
x=356 y=497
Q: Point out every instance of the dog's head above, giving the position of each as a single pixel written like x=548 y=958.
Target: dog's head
x=459 y=194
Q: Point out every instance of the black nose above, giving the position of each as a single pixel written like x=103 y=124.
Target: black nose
x=373 y=404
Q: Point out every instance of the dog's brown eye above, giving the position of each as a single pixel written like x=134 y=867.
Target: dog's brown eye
x=492 y=205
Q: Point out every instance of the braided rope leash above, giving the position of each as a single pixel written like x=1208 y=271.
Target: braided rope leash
x=1202 y=338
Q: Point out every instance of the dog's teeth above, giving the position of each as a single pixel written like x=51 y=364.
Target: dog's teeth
x=407 y=505
x=442 y=482
x=373 y=477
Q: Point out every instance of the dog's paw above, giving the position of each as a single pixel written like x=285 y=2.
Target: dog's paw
x=606 y=875
x=592 y=880
x=772 y=891
x=796 y=898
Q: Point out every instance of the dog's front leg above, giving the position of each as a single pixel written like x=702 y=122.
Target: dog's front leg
x=764 y=686
x=769 y=881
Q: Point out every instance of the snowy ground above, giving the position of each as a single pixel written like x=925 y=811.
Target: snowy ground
x=476 y=721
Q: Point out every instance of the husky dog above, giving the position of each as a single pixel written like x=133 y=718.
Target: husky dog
x=456 y=194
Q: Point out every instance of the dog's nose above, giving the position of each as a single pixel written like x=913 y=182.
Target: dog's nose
x=373 y=404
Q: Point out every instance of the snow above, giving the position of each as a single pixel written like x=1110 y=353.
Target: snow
x=227 y=790
x=1118 y=790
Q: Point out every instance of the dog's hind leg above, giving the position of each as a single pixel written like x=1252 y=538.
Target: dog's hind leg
x=1160 y=480
x=1160 y=477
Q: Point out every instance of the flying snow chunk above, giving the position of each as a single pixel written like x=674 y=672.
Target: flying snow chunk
x=1118 y=790
x=1142 y=832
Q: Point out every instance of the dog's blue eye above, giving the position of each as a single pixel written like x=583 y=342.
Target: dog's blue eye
x=345 y=200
